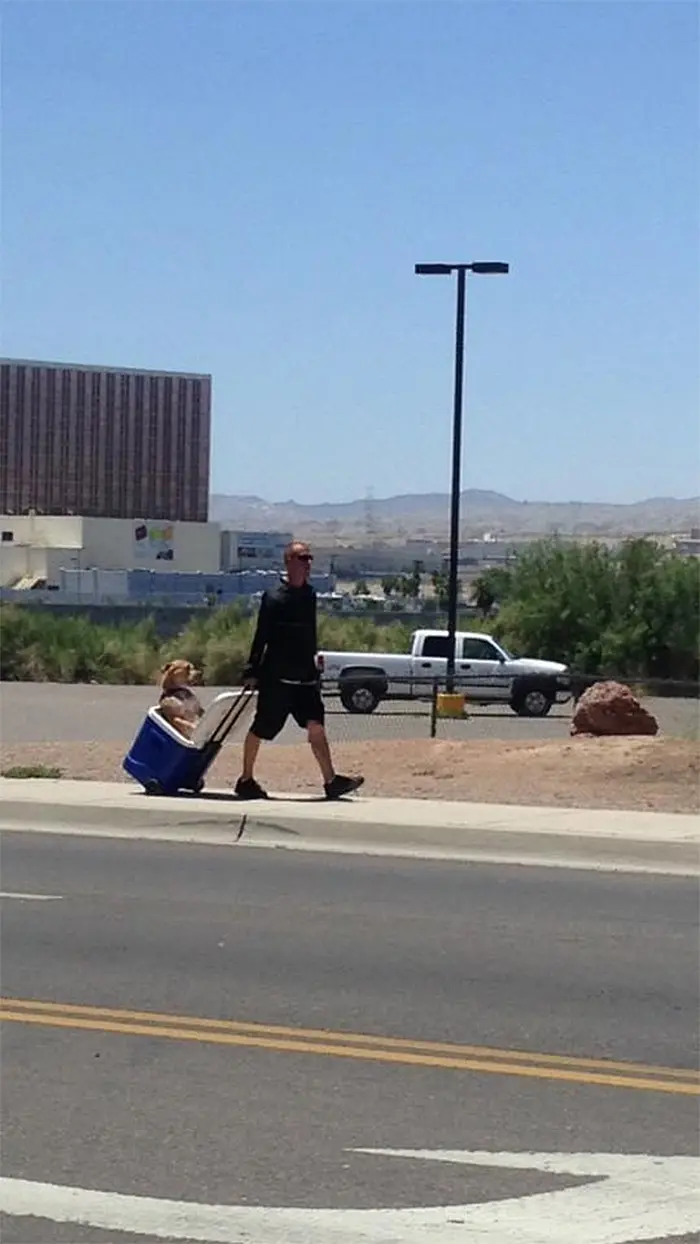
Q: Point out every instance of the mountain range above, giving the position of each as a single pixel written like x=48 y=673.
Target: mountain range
x=426 y=514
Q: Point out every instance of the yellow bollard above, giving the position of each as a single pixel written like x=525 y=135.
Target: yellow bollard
x=450 y=704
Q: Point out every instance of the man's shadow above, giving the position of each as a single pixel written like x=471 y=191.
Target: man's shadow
x=222 y=796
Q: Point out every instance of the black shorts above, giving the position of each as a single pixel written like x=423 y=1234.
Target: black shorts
x=279 y=700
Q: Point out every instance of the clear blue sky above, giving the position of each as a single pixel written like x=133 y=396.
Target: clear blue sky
x=244 y=188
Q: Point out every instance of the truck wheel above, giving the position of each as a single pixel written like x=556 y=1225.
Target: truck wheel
x=532 y=702
x=359 y=698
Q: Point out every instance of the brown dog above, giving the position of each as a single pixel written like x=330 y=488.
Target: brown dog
x=179 y=704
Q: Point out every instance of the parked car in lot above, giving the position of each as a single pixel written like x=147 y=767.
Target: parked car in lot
x=484 y=671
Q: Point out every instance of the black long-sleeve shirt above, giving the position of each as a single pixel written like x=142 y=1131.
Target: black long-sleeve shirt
x=285 y=643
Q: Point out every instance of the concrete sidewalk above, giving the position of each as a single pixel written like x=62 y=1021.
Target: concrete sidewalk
x=614 y=840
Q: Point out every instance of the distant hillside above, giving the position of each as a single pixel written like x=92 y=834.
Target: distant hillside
x=416 y=514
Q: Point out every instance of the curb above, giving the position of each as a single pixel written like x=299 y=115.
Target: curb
x=649 y=842
x=476 y=843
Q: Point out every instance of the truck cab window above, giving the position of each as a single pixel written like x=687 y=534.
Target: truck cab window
x=435 y=646
x=479 y=650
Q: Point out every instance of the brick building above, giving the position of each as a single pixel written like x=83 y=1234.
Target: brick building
x=103 y=442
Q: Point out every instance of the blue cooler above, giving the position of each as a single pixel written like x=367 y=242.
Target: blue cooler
x=165 y=762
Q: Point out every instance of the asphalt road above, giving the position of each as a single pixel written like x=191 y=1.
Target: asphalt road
x=527 y=963
x=46 y=712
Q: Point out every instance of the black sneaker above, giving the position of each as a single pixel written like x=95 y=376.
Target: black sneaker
x=342 y=786
x=248 y=788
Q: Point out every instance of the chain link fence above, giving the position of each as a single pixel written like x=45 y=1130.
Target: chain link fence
x=411 y=708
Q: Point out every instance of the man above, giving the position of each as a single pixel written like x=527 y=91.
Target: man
x=283 y=665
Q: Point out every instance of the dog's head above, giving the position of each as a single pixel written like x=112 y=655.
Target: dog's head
x=179 y=674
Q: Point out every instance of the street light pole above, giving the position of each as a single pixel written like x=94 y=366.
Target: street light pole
x=453 y=581
x=438 y=269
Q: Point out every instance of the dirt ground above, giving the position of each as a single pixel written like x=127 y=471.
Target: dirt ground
x=647 y=774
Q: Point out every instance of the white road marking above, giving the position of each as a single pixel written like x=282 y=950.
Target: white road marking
x=635 y=1197
x=30 y=898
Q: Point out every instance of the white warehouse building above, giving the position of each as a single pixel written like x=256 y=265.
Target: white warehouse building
x=243 y=550
x=36 y=548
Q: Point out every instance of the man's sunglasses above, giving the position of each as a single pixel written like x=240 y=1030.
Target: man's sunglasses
x=303 y=557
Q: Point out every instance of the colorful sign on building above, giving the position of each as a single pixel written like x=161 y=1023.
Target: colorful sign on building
x=155 y=541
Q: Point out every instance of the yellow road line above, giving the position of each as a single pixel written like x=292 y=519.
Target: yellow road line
x=339 y=1050
x=353 y=1038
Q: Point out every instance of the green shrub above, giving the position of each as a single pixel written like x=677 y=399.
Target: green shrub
x=359 y=634
x=217 y=642
x=44 y=647
x=32 y=771
x=634 y=612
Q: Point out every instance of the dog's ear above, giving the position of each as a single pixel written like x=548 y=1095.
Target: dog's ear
x=165 y=671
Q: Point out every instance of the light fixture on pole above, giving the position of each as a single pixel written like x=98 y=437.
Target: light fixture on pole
x=446 y=269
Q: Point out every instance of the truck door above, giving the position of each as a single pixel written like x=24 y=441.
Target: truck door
x=431 y=664
x=481 y=671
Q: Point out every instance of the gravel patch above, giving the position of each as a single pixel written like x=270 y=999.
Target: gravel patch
x=636 y=774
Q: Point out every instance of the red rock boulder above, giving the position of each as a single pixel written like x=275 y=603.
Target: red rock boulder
x=610 y=708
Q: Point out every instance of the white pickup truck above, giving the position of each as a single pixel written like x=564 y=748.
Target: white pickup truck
x=484 y=671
